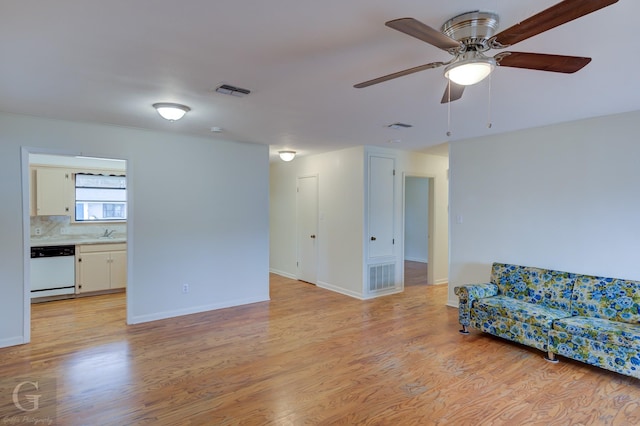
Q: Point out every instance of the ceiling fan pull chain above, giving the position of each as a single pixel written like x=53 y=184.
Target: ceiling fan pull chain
x=449 y=108
x=489 y=107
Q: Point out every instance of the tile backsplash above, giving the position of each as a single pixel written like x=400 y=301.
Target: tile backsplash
x=60 y=227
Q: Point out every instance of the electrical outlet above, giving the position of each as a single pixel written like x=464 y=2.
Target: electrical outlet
x=38 y=231
x=185 y=288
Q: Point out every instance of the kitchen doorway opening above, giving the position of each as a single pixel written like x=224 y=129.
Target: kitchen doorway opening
x=75 y=230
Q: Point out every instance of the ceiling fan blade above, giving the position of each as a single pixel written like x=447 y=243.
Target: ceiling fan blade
x=423 y=32
x=542 y=62
x=452 y=92
x=398 y=74
x=556 y=15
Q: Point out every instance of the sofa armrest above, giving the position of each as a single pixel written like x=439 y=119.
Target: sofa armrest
x=467 y=294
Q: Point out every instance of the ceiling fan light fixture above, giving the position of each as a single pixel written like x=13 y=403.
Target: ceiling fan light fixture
x=472 y=68
x=287 y=155
x=170 y=111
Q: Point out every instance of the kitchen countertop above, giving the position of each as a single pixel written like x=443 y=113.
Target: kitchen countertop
x=75 y=240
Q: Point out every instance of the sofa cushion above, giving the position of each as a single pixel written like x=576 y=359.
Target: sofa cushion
x=509 y=328
x=601 y=330
x=529 y=313
x=534 y=285
x=620 y=359
x=607 y=298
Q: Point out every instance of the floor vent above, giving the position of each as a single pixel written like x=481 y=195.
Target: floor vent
x=382 y=277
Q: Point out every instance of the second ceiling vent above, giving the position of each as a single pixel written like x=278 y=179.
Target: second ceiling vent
x=227 y=89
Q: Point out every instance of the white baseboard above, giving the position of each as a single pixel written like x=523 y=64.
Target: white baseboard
x=194 y=310
x=442 y=281
x=453 y=303
x=282 y=273
x=12 y=341
x=355 y=295
x=385 y=293
x=340 y=290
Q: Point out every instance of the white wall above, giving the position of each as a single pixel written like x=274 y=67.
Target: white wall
x=341 y=177
x=282 y=217
x=416 y=219
x=198 y=214
x=563 y=197
x=340 y=231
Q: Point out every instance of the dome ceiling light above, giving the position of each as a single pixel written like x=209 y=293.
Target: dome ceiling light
x=170 y=111
x=287 y=155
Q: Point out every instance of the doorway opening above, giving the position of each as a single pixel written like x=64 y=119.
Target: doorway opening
x=75 y=228
x=418 y=230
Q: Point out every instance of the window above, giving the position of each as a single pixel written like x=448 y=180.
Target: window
x=113 y=211
x=100 y=198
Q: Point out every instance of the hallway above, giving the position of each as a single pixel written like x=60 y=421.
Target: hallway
x=415 y=273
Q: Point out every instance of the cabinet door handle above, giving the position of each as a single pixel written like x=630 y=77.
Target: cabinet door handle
x=373 y=238
x=313 y=236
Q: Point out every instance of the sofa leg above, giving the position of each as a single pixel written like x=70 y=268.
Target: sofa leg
x=551 y=357
x=464 y=330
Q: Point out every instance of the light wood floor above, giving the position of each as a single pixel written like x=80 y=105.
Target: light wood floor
x=309 y=356
x=415 y=273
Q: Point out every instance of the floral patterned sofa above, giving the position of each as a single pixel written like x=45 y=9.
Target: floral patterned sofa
x=591 y=319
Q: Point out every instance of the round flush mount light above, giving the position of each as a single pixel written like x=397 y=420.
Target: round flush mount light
x=471 y=68
x=170 y=111
x=287 y=155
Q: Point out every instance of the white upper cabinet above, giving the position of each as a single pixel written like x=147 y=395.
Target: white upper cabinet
x=54 y=191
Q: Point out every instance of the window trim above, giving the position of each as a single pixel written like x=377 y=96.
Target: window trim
x=75 y=199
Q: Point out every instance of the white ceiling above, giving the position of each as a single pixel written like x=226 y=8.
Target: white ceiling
x=108 y=61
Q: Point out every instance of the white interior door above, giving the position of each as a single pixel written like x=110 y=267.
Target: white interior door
x=307 y=218
x=381 y=205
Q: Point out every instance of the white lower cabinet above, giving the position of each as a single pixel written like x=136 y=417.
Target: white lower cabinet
x=101 y=267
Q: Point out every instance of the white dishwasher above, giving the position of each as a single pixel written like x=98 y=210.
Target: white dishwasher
x=53 y=271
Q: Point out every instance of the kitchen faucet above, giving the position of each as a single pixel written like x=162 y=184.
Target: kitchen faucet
x=107 y=233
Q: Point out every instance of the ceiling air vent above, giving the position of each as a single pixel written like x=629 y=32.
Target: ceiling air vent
x=227 y=89
x=399 y=126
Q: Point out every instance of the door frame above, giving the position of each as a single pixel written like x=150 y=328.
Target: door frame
x=26 y=229
x=430 y=222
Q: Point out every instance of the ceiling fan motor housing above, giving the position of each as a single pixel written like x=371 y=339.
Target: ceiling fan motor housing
x=472 y=29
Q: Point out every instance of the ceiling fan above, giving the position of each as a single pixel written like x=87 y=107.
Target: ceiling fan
x=469 y=35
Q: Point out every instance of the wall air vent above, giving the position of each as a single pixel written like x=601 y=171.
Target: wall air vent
x=382 y=277
x=227 y=89
x=399 y=126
